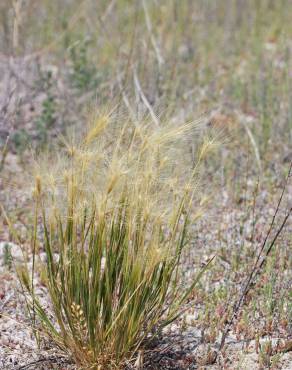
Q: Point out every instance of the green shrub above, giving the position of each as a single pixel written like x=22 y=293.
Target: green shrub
x=84 y=74
x=21 y=140
x=7 y=256
x=47 y=118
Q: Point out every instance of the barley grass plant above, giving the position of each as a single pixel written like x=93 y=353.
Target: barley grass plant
x=116 y=209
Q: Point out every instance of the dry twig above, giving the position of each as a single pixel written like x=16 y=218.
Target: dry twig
x=259 y=263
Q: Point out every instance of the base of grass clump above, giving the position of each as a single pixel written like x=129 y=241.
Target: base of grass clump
x=116 y=209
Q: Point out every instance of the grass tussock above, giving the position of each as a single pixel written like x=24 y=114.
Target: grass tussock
x=116 y=210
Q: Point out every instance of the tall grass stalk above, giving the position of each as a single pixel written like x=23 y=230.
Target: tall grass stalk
x=116 y=210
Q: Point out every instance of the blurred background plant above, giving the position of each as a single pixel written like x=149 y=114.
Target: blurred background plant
x=233 y=56
x=47 y=117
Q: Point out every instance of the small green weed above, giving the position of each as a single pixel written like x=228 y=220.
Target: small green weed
x=3 y=153
x=84 y=73
x=7 y=256
x=21 y=139
x=47 y=118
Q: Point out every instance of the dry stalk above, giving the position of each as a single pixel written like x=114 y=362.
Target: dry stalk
x=259 y=263
x=17 y=7
x=150 y=30
x=145 y=100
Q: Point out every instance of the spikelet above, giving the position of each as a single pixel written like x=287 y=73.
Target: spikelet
x=147 y=161
x=38 y=186
x=169 y=134
x=98 y=127
x=79 y=322
x=208 y=145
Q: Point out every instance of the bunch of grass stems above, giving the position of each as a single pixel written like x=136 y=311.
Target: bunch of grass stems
x=115 y=209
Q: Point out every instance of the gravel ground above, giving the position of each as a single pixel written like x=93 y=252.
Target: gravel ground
x=177 y=350
x=183 y=345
